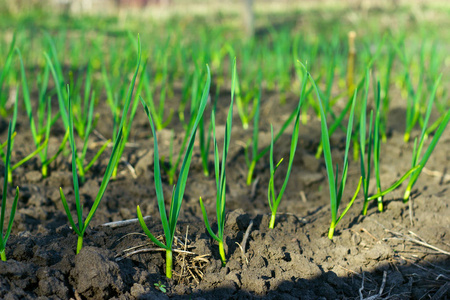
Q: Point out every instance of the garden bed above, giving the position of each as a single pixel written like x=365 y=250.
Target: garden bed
x=399 y=253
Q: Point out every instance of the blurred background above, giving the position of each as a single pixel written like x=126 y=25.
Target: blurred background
x=250 y=12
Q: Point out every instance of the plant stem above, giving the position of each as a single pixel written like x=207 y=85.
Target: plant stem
x=380 y=205
x=250 y=172
x=365 y=206
x=272 y=221
x=222 y=254
x=79 y=243
x=319 y=151
x=169 y=263
x=407 y=194
x=331 y=230
x=44 y=171
x=406 y=137
x=3 y=255
x=380 y=201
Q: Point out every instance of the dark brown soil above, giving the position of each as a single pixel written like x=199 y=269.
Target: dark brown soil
x=382 y=252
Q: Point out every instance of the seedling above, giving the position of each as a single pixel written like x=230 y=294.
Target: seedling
x=373 y=148
x=419 y=162
x=336 y=191
x=274 y=200
x=61 y=97
x=243 y=100
x=377 y=144
x=4 y=238
x=386 y=98
x=126 y=121
x=366 y=160
x=205 y=139
x=192 y=85
x=374 y=141
x=81 y=227
x=40 y=131
x=169 y=224
x=158 y=111
x=252 y=164
x=337 y=123
x=113 y=101
x=81 y=158
x=25 y=159
x=257 y=155
x=173 y=164
x=4 y=72
x=159 y=286
x=415 y=103
x=221 y=179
